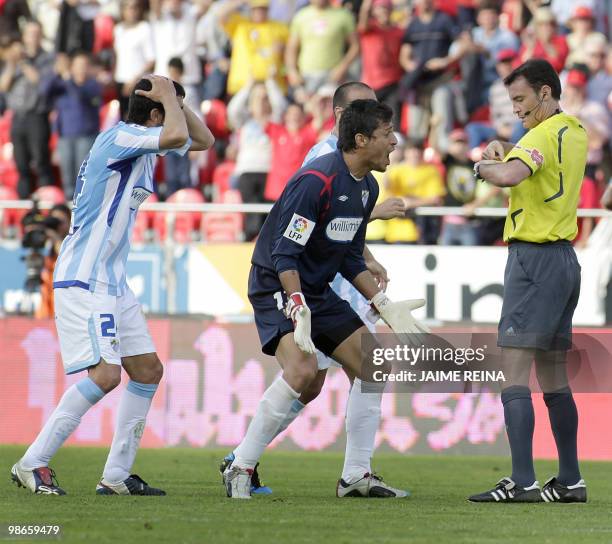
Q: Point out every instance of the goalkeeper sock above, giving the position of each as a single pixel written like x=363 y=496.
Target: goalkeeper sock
x=563 y=417
x=520 y=422
x=272 y=411
x=362 y=421
x=74 y=403
x=133 y=408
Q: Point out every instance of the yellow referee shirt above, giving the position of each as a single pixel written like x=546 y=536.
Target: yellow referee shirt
x=543 y=206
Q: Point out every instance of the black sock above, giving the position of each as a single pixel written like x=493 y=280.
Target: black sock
x=563 y=417
x=520 y=421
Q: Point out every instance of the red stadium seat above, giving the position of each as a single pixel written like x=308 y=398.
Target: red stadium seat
x=51 y=194
x=215 y=115
x=221 y=179
x=186 y=224
x=224 y=226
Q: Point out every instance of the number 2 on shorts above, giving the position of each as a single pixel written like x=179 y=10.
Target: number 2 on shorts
x=107 y=325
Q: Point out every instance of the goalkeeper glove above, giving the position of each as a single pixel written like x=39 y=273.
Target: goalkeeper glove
x=299 y=313
x=398 y=316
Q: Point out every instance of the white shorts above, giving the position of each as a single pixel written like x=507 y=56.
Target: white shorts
x=94 y=326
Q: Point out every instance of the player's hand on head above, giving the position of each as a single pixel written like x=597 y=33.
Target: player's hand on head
x=299 y=313
x=389 y=208
x=398 y=316
x=494 y=151
x=379 y=272
x=162 y=88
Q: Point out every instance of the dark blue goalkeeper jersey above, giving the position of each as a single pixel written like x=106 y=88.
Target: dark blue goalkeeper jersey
x=316 y=227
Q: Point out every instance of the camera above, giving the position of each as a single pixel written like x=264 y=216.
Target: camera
x=35 y=226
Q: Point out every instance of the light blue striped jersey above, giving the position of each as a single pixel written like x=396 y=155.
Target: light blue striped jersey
x=329 y=145
x=114 y=179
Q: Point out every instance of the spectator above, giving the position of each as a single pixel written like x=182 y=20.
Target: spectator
x=291 y=142
x=75 y=31
x=543 y=42
x=419 y=184
x=592 y=115
x=250 y=111
x=134 y=50
x=174 y=35
x=489 y=39
x=504 y=124
x=25 y=65
x=425 y=57
x=76 y=97
x=322 y=46
x=258 y=44
x=599 y=62
x=489 y=229
x=177 y=168
x=460 y=190
x=213 y=49
x=589 y=199
x=12 y=12
x=581 y=23
x=380 y=42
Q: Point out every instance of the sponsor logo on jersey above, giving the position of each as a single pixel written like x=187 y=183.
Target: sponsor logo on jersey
x=343 y=229
x=299 y=229
x=139 y=195
x=536 y=156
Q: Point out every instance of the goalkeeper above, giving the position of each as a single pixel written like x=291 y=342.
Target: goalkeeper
x=315 y=230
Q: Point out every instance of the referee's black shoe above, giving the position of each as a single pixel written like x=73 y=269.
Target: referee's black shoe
x=553 y=491
x=507 y=491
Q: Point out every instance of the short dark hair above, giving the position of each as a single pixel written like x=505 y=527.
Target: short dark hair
x=361 y=117
x=176 y=62
x=340 y=99
x=492 y=5
x=537 y=72
x=140 y=107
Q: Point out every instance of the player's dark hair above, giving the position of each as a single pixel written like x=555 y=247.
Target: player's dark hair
x=340 y=99
x=361 y=117
x=140 y=107
x=537 y=72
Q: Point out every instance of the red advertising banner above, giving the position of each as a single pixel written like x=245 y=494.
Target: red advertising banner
x=214 y=377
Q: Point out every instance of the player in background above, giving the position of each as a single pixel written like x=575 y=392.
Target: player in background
x=314 y=231
x=542 y=279
x=362 y=421
x=100 y=323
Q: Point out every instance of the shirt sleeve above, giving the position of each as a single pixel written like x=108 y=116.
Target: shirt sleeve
x=298 y=216
x=354 y=263
x=135 y=140
x=531 y=149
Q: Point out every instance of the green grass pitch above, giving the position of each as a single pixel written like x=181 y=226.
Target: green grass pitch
x=303 y=508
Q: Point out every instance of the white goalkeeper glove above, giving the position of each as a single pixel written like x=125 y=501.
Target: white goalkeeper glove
x=299 y=313
x=398 y=316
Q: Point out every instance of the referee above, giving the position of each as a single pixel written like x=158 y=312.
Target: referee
x=542 y=279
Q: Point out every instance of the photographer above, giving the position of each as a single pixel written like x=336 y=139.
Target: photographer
x=25 y=64
x=43 y=235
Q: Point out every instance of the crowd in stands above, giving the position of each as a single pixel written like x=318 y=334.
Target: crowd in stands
x=262 y=73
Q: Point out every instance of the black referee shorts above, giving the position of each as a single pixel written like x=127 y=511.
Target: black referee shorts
x=541 y=290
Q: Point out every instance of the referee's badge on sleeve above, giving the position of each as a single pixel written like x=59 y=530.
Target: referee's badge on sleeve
x=299 y=229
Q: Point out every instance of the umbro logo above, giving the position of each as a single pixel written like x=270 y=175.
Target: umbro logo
x=343 y=198
x=510 y=331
